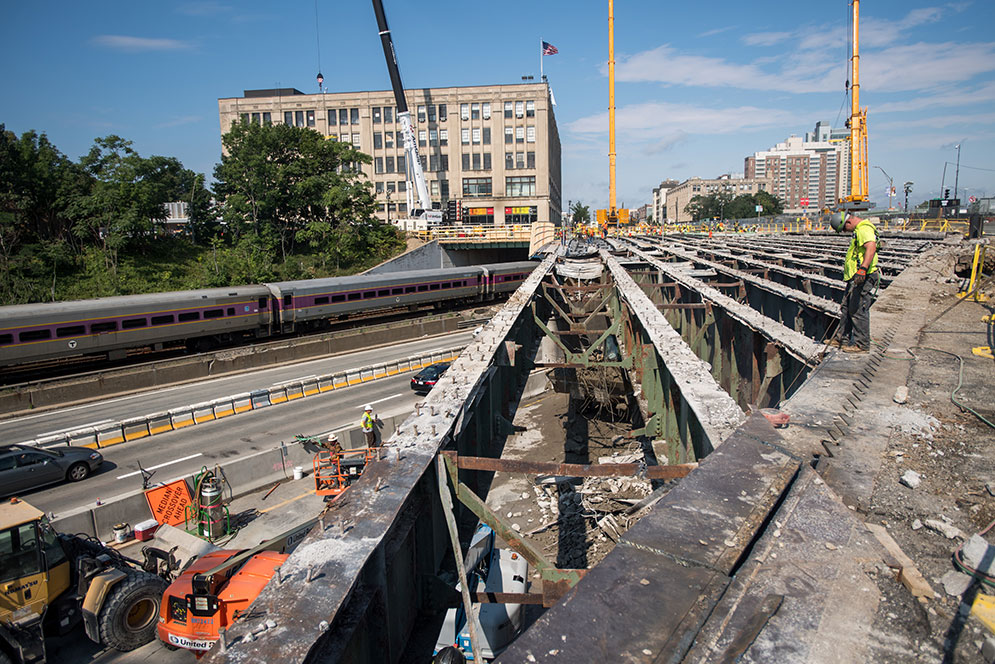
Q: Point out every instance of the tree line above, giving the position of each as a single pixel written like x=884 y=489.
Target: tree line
x=285 y=204
x=723 y=205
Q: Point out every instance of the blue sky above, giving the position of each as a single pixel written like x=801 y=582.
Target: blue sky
x=699 y=85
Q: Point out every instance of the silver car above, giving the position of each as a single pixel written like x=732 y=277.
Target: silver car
x=23 y=467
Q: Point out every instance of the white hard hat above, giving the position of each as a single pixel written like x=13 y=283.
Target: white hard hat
x=332 y=438
x=368 y=407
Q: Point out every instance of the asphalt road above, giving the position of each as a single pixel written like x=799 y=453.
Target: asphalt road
x=185 y=451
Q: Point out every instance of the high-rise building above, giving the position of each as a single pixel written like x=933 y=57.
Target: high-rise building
x=660 y=200
x=495 y=149
x=808 y=174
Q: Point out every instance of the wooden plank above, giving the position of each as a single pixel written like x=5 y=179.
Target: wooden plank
x=908 y=573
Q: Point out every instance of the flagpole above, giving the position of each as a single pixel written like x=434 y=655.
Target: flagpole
x=540 y=59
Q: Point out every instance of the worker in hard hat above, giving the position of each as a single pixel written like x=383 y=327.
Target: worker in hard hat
x=860 y=272
x=369 y=426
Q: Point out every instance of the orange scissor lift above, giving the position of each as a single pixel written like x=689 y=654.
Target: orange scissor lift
x=335 y=471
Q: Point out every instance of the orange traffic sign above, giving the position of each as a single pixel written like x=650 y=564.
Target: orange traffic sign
x=168 y=502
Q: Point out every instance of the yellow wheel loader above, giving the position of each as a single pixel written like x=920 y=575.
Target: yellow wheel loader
x=50 y=581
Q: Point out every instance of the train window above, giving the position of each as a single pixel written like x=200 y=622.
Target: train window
x=396 y=291
x=338 y=298
x=230 y=311
x=434 y=286
x=321 y=300
x=106 y=326
x=214 y=313
x=409 y=289
x=188 y=316
x=262 y=303
x=383 y=293
x=6 y=339
x=166 y=319
x=354 y=296
x=132 y=323
x=70 y=331
x=369 y=294
x=422 y=288
x=288 y=300
x=35 y=335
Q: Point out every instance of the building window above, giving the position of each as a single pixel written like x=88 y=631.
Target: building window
x=376 y=115
x=433 y=137
x=474 y=111
x=530 y=134
x=509 y=160
x=519 y=134
x=476 y=161
x=466 y=161
x=299 y=118
x=377 y=140
x=434 y=187
x=464 y=111
x=343 y=116
x=332 y=114
x=355 y=141
x=485 y=110
x=487 y=135
x=530 y=109
x=519 y=109
x=487 y=161
x=310 y=118
x=433 y=162
x=444 y=189
x=519 y=185
x=391 y=187
x=465 y=136
x=444 y=163
x=388 y=114
x=519 y=160
x=476 y=186
x=378 y=164
x=443 y=113
x=288 y=118
x=431 y=112
x=422 y=138
x=390 y=164
x=388 y=139
x=354 y=115
x=509 y=135
x=476 y=135
x=379 y=186
x=443 y=137
x=401 y=164
x=507 y=110
x=267 y=118
x=531 y=159
x=421 y=113
x=402 y=186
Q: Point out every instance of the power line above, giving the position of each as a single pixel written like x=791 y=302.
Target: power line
x=975 y=168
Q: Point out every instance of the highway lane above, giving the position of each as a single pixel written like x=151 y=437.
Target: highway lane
x=185 y=451
x=28 y=427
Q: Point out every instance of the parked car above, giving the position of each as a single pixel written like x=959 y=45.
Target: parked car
x=23 y=468
x=425 y=380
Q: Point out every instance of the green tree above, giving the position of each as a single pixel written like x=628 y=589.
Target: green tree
x=771 y=204
x=581 y=213
x=288 y=185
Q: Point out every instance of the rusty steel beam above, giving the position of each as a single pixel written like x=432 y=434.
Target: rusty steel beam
x=573 y=469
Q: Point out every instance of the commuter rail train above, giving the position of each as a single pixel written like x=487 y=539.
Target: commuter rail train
x=206 y=318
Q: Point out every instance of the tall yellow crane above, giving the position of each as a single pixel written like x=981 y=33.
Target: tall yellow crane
x=612 y=216
x=857 y=198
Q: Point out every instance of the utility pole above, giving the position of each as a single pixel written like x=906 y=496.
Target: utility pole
x=908 y=190
x=891 y=185
x=957 y=172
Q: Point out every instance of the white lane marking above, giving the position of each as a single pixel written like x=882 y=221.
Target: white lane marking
x=161 y=465
x=393 y=396
x=164 y=390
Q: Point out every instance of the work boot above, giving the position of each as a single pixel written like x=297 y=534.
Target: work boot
x=835 y=342
x=853 y=348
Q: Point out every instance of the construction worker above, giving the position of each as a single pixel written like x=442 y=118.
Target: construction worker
x=369 y=426
x=332 y=444
x=860 y=272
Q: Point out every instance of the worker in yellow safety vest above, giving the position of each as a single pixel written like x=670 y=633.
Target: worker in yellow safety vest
x=369 y=426
x=860 y=272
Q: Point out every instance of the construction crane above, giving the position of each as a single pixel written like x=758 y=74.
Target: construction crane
x=611 y=216
x=857 y=198
x=415 y=174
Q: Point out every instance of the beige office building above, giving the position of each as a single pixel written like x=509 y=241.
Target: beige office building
x=493 y=149
x=678 y=197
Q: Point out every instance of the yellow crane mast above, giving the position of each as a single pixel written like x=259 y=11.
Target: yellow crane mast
x=612 y=216
x=857 y=198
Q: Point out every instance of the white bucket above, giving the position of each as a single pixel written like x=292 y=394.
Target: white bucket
x=298 y=472
x=121 y=531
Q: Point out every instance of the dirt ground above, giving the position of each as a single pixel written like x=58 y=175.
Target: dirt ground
x=953 y=452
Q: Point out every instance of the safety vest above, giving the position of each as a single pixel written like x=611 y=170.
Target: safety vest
x=367 y=421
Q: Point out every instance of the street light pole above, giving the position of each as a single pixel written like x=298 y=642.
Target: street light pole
x=957 y=172
x=908 y=190
x=891 y=185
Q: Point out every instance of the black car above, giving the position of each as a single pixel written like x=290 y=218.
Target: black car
x=23 y=467
x=426 y=379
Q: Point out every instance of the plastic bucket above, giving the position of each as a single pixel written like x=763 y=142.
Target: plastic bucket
x=121 y=532
x=298 y=472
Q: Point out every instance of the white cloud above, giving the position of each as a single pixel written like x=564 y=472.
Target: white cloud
x=941 y=121
x=924 y=66
x=767 y=38
x=665 y=123
x=135 y=44
x=717 y=31
x=943 y=97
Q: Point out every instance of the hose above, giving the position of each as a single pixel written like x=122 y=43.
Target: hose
x=986 y=579
x=960 y=382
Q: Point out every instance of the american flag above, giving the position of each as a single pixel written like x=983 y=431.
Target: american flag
x=549 y=49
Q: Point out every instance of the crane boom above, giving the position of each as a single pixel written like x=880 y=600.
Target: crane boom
x=858 y=195
x=414 y=167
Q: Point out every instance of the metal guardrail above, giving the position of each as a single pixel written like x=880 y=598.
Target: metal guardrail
x=518 y=232
x=133 y=428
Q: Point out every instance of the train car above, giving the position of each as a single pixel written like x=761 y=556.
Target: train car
x=112 y=325
x=507 y=277
x=309 y=303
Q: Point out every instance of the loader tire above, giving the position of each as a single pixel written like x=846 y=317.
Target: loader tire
x=129 y=615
